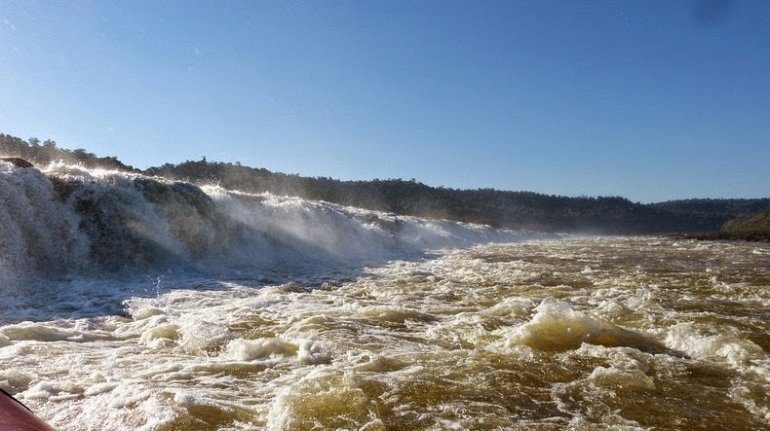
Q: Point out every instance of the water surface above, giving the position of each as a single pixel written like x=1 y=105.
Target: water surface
x=585 y=334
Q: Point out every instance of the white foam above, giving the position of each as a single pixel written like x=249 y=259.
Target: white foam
x=557 y=326
x=163 y=335
x=633 y=379
x=14 y=381
x=248 y=350
x=199 y=337
x=687 y=338
x=312 y=353
x=324 y=399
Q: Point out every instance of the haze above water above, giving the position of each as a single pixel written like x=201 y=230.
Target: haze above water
x=207 y=309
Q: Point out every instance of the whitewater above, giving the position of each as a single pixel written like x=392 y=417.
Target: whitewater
x=130 y=302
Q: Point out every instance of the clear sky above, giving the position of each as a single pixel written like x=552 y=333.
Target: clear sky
x=652 y=100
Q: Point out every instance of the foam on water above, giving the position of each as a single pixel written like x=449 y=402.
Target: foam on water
x=283 y=314
x=557 y=326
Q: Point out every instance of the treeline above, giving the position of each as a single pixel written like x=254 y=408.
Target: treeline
x=498 y=208
x=726 y=208
x=493 y=207
x=45 y=152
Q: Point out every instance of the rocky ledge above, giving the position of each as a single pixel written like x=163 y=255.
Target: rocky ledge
x=19 y=163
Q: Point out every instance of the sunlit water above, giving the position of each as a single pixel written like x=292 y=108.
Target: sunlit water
x=596 y=333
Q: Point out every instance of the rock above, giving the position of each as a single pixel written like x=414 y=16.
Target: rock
x=19 y=163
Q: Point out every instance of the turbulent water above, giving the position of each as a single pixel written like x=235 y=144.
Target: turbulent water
x=134 y=303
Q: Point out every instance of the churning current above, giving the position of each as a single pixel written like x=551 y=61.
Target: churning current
x=131 y=303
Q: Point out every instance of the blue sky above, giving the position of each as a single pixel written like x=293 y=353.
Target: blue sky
x=652 y=100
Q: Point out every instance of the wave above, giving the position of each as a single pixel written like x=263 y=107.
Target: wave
x=66 y=220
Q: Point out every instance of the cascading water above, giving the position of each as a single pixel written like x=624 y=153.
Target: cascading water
x=77 y=226
x=66 y=219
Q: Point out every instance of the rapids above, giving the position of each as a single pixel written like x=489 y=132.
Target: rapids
x=135 y=303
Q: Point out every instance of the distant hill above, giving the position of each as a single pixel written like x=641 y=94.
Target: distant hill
x=726 y=208
x=514 y=209
x=754 y=227
x=759 y=222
